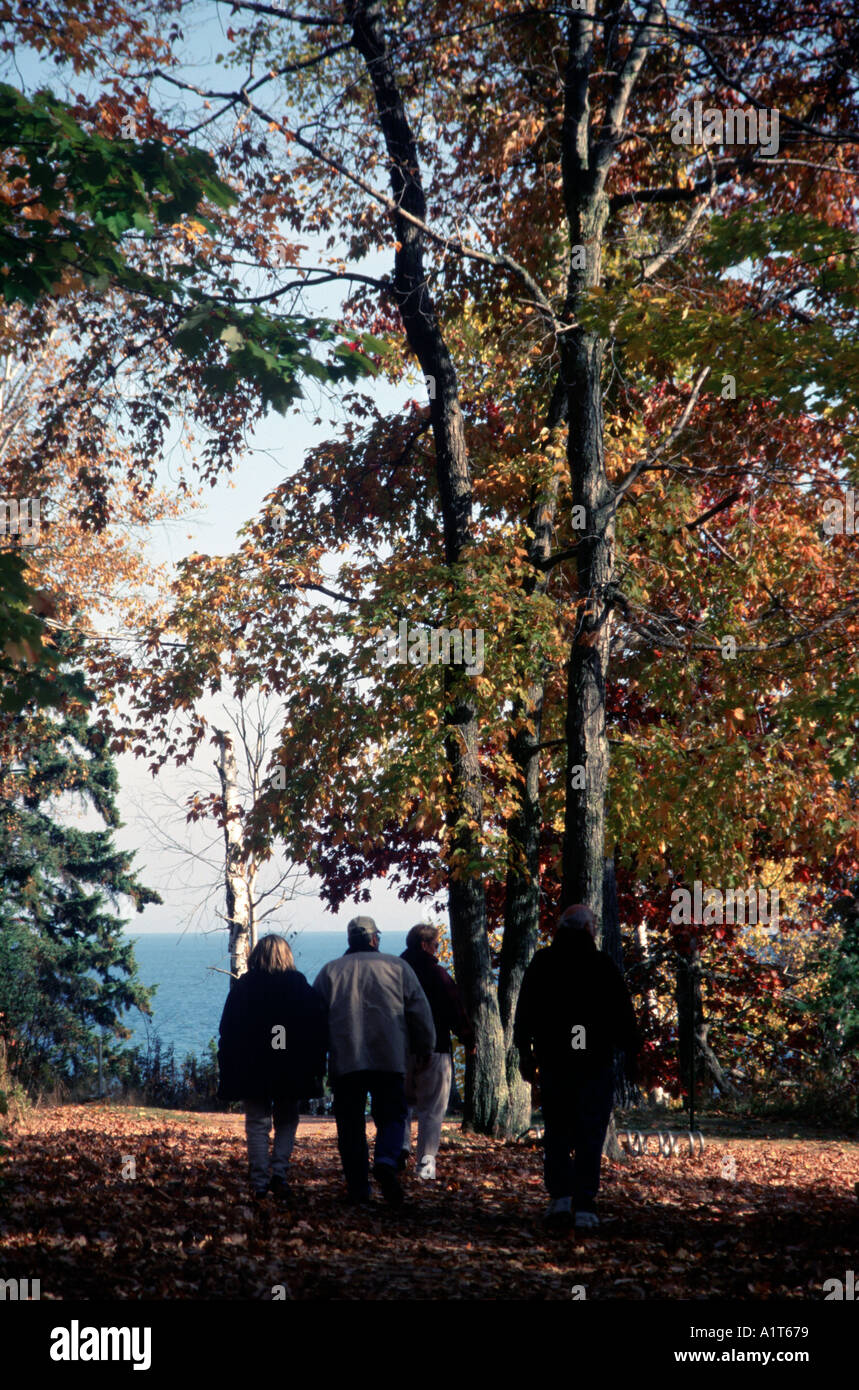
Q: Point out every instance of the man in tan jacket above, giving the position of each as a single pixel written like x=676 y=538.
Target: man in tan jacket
x=377 y=1015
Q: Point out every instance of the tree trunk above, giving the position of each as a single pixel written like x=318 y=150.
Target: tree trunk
x=586 y=157
x=584 y=166
x=689 y=1019
x=613 y=947
x=687 y=991
x=239 y=908
x=522 y=889
x=693 y=1028
x=521 y=903
x=642 y=941
x=587 y=744
x=485 y=1074
x=712 y=1063
x=624 y=1090
x=610 y=939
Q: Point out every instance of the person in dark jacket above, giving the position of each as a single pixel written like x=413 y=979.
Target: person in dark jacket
x=574 y=1011
x=272 y=1052
x=428 y=1080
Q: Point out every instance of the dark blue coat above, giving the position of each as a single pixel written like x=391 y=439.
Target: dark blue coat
x=568 y=985
x=259 y=1004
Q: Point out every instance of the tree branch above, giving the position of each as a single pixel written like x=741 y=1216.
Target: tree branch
x=680 y=242
x=693 y=36
x=500 y=259
x=669 y=439
x=624 y=84
x=717 y=507
x=314 y=20
x=725 y=170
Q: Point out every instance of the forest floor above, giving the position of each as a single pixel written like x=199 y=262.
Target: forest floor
x=183 y=1226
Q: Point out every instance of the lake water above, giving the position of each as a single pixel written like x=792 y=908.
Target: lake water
x=187 y=1007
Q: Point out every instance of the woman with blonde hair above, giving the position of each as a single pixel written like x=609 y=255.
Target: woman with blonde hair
x=271 y=1054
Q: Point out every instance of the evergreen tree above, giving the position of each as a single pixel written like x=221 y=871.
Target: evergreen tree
x=66 y=970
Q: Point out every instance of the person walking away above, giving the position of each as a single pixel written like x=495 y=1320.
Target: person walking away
x=574 y=1011
x=271 y=1052
x=428 y=1086
x=377 y=1015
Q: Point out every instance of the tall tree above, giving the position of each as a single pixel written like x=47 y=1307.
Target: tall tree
x=587 y=276
x=66 y=968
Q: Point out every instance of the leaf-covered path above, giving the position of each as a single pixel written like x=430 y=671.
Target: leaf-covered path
x=184 y=1228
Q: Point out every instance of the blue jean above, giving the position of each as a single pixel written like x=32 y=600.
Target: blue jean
x=258 y=1117
x=388 y=1108
x=576 y=1112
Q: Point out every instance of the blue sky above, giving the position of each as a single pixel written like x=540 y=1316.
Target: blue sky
x=192 y=896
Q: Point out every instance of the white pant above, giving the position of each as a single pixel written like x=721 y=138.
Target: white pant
x=429 y=1091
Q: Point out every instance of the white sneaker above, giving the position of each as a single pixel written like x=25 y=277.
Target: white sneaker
x=426 y=1169
x=586 y=1220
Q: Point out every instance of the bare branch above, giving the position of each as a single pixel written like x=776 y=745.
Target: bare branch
x=322 y=278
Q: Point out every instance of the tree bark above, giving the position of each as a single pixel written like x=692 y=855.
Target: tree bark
x=613 y=947
x=587 y=766
x=485 y=1074
x=642 y=941
x=240 y=918
x=694 y=1029
x=586 y=158
x=522 y=888
x=712 y=1063
x=687 y=998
